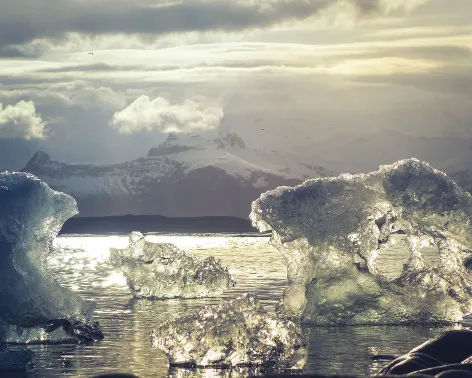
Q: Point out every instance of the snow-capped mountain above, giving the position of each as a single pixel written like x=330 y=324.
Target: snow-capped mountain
x=186 y=175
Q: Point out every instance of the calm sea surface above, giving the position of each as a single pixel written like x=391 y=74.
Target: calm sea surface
x=81 y=263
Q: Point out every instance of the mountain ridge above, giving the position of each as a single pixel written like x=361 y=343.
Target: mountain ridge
x=220 y=175
x=184 y=176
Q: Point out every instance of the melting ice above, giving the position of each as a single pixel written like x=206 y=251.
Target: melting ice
x=33 y=306
x=161 y=270
x=332 y=230
x=237 y=332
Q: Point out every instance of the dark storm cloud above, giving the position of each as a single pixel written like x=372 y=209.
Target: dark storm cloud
x=98 y=67
x=7 y=81
x=24 y=20
x=10 y=52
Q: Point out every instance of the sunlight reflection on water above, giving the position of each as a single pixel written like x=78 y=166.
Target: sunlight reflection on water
x=81 y=263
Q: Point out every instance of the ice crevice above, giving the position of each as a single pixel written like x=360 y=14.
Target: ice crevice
x=331 y=232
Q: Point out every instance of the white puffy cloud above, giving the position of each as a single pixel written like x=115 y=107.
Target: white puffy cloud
x=146 y=114
x=20 y=121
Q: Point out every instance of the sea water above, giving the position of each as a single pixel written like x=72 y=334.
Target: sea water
x=80 y=262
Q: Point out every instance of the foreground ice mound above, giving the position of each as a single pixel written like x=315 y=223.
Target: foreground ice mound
x=31 y=215
x=236 y=333
x=332 y=230
x=162 y=271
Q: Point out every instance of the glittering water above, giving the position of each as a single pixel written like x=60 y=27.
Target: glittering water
x=81 y=263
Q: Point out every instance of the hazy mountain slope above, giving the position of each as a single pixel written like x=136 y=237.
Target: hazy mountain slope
x=351 y=152
x=463 y=178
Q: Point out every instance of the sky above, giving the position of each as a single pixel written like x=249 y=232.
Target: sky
x=101 y=81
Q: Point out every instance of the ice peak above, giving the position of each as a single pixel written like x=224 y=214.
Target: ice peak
x=230 y=140
x=176 y=143
x=40 y=158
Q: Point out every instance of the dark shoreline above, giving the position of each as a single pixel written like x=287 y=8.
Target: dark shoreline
x=156 y=223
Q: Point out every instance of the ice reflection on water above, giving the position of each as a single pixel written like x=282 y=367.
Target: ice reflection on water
x=81 y=263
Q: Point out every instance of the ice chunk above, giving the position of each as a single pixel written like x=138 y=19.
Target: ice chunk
x=31 y=215
x=331 y=231
x=235 y=333
x=162 y=271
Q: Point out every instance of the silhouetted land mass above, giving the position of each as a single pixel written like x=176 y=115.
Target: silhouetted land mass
x=155 y=223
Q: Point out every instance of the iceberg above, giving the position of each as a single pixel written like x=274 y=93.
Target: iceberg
x=32 y=303
x=331 y=232
x=162 y=271
x=238 y=332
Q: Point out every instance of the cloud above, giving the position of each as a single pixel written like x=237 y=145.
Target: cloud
x=387 y=6
x=145 y=114
x=87 y=95
x=83 y=95
x=20 y=121
x=22 y=21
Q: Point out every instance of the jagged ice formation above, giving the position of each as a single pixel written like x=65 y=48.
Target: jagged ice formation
x=332 y=230
x=162 y=271
x=238 y=332
x=32 y=304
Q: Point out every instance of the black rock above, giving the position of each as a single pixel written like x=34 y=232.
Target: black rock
x=448 y=353
x=85 y=332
